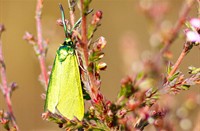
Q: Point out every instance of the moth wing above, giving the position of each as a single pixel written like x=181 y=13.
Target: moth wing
x=52 y=95
x=70 y=103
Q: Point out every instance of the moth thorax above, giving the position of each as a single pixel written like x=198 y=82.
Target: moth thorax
x=70 y=50
x=62 y=54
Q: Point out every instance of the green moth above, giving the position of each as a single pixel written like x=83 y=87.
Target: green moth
x=64 y=94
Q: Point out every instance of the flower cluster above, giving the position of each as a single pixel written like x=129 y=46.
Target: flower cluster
x=193 y=31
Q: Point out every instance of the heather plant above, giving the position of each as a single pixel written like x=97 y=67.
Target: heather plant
x=145 y=96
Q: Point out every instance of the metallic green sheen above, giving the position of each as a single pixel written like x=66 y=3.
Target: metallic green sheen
x=64 y=94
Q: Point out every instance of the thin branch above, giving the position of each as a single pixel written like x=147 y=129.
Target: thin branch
x=84 y=27
x=187 y=47
x=71 y=11
x=6 y=90
x=174 y=32
x=39 y=42
x=178 y=62
x=84 y=41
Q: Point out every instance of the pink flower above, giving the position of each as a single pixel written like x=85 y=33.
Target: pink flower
x=195 y=22
x=192 y=36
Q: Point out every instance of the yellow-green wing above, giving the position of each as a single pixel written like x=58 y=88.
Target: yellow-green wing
x=52 y=94
x=64 y=94
x=70 y=102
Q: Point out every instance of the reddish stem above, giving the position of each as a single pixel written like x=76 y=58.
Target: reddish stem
x=178 y=62
x=93 y=87
x=39 y=42
x=84 y=28
x=6 y=90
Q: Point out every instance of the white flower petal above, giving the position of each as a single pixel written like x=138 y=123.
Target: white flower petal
x=192 y=36
x=195 y=22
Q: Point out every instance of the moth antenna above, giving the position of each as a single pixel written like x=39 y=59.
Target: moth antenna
x=63 y=20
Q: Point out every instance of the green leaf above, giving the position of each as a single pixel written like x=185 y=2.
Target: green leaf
x=140 y=75
x=175 y=75
x=185 y=87
x=95 y=56
x=126 y=90
x=169 y=68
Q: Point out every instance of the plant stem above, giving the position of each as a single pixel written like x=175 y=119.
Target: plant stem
x=84 y=41
x=71 y=12
x=84 y=27
x=39 y=42
x=174 y=32
x=6 y=90
x=178 y=62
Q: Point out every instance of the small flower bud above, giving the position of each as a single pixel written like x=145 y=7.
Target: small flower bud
x=99 y=14
x=6 y=115
x=101 y=66
x=132 y=104
x=110 y=113
x=4 y=121
x=121 y=113
x=13 y=86
x=100 y=44
x=92 y=108
x=108 y=103
x=92 y=111
x=96 y=17
x=98 y=98
x=29 y=37
x=193 y=70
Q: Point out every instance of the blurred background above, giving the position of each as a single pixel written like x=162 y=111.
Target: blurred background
x=122 y=20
